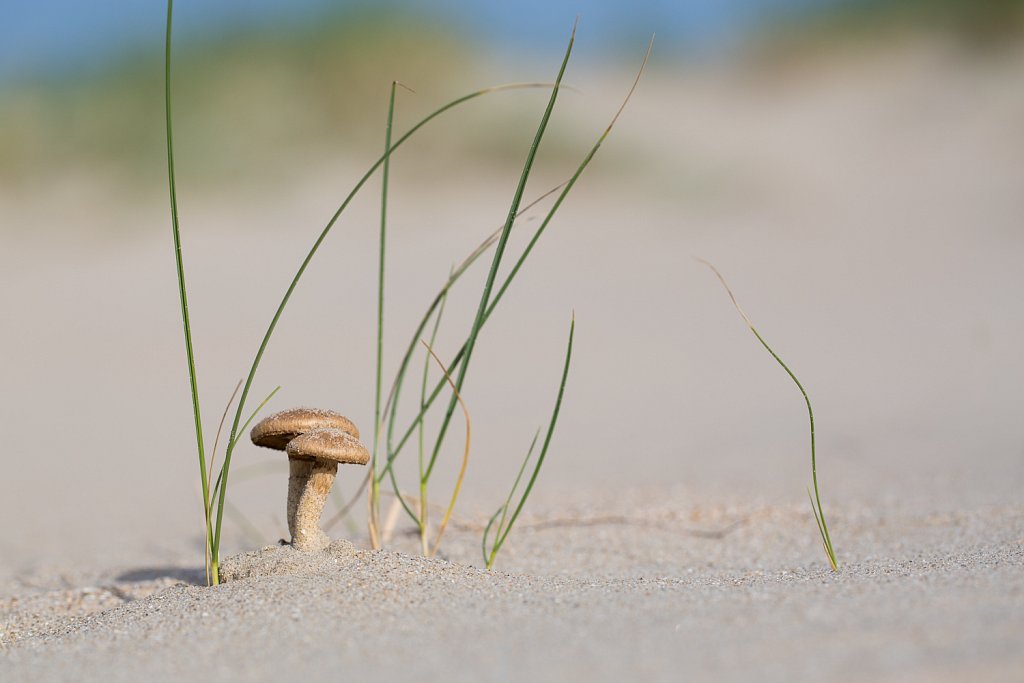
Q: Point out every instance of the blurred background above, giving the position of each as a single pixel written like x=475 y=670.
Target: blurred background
x=854 y=167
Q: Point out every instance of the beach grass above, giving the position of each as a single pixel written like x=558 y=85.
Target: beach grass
x=819 y=513
x=485 y=309
x=218 y=522
x=215 y=501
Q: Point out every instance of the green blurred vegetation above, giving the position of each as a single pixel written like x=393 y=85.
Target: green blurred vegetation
x=252 y=98
x=262 y=102
x=976 y=25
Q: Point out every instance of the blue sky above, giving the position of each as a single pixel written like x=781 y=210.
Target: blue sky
x=56 y=35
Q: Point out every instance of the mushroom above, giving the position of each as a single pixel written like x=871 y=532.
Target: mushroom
x=275 y=431
x=326 y=447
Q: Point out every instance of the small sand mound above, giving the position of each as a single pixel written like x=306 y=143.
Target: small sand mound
x=378 y=569
x=284 y=560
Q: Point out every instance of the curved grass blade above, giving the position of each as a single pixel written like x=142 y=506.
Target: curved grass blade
x=220 y=427
x=826 y=544
x=213 y=457
x=424 y=506
x=183 y=298
x=462 y=469
x=499 y=539
x=819 y=513
x=487 y=532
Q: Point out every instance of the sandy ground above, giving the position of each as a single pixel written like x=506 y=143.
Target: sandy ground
x=867 y=214
x=647 y=595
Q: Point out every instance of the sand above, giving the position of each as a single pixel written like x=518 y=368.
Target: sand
x=866 y=213
x=643 y=597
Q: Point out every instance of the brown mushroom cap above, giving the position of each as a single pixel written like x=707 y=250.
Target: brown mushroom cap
x=329 y=444
x=275 y=431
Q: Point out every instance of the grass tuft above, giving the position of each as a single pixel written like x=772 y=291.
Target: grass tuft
x=488 y=303
x=218 y=525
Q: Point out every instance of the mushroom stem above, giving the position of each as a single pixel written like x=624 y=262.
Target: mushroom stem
x=299 y=470
x=307 y=534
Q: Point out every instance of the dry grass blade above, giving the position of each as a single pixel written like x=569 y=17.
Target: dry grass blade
x=213 y=456
x=220 y=428
x=465 y=454
x=390 y=521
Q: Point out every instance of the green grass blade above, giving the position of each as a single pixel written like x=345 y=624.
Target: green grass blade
x=305 y=264
x=500 y=540
x=182 y=295
x=487 y=531
x=401 y=499
x=386 y=171
x=515 y=484
x=819 y=513
x=499 y=251
x=825 y=541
